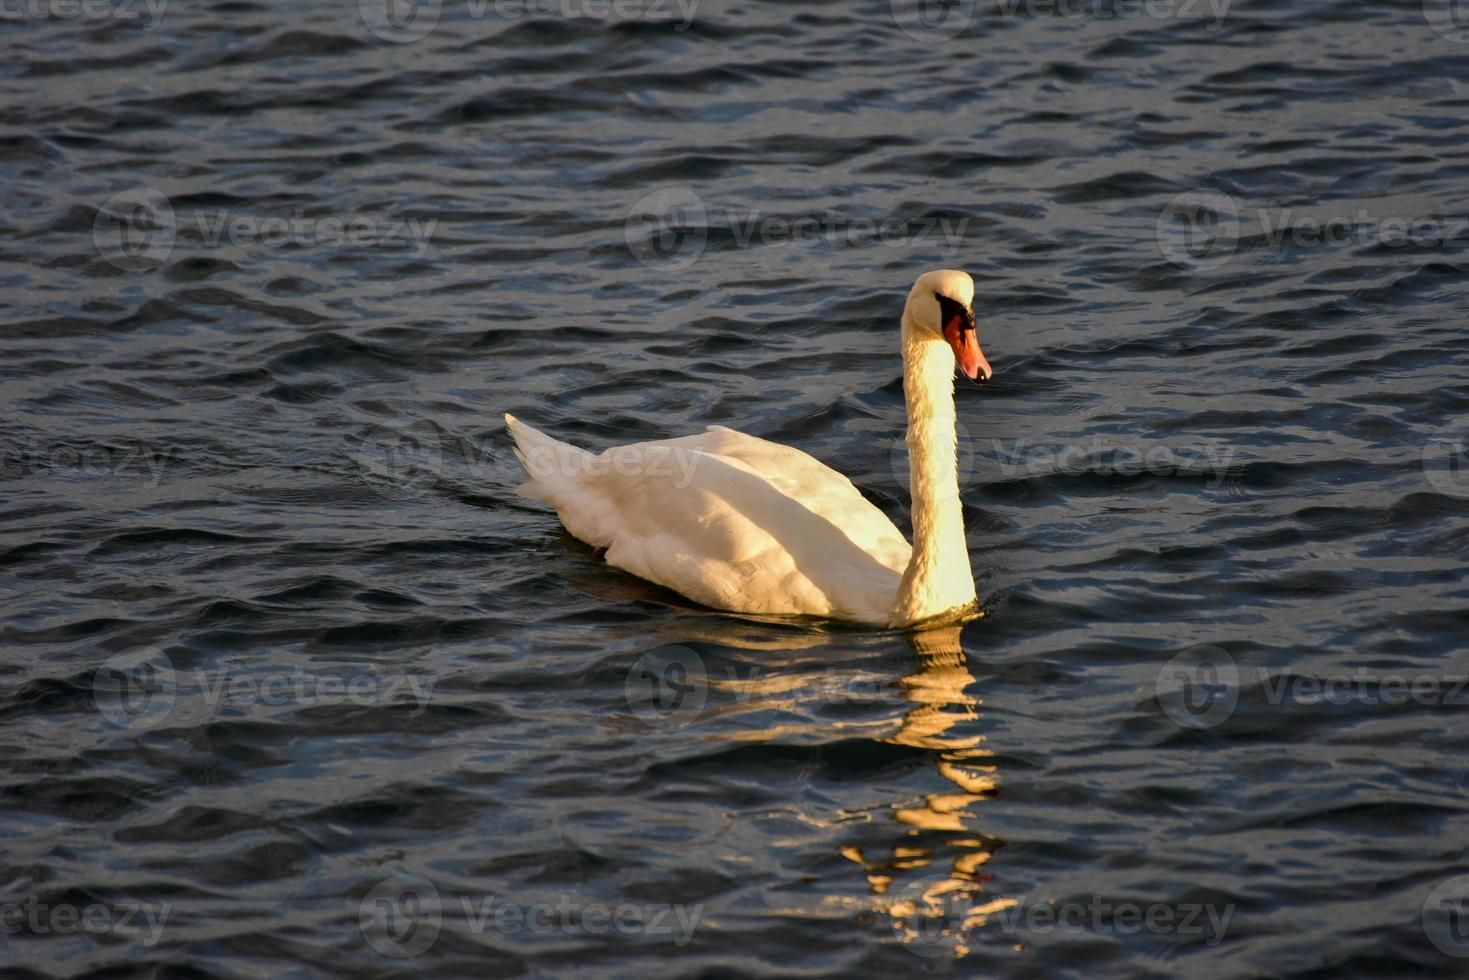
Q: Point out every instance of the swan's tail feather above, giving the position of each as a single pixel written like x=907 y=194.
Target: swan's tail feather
x=553 y=465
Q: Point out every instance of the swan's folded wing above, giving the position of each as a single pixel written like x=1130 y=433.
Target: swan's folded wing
x=819 y=487
x=741 y=523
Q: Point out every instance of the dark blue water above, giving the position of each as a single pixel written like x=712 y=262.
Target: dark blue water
x=294 y=685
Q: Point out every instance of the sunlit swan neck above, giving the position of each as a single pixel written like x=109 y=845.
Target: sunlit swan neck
x=938 y=578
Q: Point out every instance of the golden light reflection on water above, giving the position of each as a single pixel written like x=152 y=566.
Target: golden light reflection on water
x=937 y=911
x=930 y=882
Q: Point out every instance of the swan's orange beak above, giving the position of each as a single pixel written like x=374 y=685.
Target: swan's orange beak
x=960 y=334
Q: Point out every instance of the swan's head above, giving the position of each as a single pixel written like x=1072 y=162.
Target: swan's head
x=942 y=303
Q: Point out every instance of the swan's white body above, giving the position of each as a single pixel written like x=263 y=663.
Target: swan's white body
x=740 y=523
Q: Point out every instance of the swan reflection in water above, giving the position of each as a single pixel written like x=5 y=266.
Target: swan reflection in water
x=931 y=881
x=940 y=910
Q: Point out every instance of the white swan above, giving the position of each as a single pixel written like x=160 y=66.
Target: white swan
x=740 y=523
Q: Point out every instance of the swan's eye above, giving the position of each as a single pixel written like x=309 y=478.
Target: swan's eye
x=951 y=310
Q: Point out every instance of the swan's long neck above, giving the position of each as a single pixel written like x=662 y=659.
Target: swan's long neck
x=938 y=578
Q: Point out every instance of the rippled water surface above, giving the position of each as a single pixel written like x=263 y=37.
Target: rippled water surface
x=290 y=672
